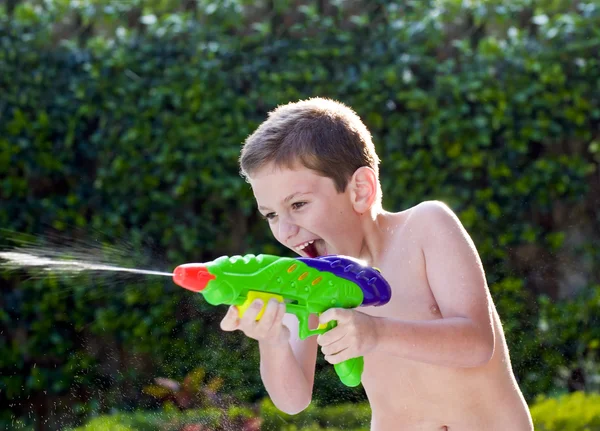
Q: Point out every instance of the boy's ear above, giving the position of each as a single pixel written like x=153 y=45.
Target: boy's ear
x=363 y=189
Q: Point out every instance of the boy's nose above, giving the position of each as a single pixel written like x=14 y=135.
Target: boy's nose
x=287 y=230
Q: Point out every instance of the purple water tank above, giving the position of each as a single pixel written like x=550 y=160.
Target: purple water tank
x=376 y=289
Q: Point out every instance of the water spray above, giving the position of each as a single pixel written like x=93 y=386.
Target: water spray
x=305 y=285
x=19 y=259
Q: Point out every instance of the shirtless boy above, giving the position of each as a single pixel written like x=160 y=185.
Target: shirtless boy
x=435 y=355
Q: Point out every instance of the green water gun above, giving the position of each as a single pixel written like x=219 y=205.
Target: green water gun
x=306 y=285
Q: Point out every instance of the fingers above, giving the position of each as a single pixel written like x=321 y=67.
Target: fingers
x=269 y=327
x=338 y=357
x=339 y=315
x=272 y=316
x=249 y=318
x=332 y=336
x=336 y=347
x=355 y=335
x=270 y=319
x=333 y=341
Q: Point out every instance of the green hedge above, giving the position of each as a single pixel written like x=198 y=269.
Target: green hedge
x=573 y=412
x=351 y=417
x=164 y=421
x=131 y=142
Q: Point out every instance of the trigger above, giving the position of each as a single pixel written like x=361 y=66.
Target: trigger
x=252 y=295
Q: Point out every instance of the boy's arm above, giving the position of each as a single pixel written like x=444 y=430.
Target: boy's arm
x=464 y=337
x=288 y=370
x=287 y=364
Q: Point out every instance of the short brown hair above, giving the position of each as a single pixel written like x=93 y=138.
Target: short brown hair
x=322 y=134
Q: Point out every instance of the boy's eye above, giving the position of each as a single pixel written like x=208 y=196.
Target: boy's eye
x=271 y=216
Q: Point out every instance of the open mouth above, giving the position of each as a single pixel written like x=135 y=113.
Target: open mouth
x=311 y=248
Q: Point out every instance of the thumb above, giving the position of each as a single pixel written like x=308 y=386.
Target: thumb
x=328 y=316
x=231 y=320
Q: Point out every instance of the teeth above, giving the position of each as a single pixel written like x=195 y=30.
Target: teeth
x=301 y=246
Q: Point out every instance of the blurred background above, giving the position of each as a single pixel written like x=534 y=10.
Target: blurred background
x=120 y=128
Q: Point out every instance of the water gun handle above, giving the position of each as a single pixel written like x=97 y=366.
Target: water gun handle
x=350 y=370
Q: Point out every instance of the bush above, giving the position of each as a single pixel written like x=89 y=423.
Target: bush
x=569 y=336
x=572 y=412
x=150 y=421
x=349 y=416
x=577 y=411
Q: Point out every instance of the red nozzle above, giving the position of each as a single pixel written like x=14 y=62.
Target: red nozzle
x=192 y=276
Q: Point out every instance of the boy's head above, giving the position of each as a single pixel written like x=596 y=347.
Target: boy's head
x=319 y=134
x=314 y=173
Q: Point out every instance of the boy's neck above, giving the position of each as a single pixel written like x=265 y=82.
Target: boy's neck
x=376 y=234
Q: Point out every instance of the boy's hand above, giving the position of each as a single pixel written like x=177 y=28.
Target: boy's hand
x=268 y=330
x=355 y=335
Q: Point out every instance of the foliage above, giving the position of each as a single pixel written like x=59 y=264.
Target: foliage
x=134 y=132
x=193 y=392
x=573 y=412
x=352 y=417
x=570 y=335
x=346 y=416
x=174 y=420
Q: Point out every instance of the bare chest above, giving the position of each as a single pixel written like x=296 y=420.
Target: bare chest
x=405 y=270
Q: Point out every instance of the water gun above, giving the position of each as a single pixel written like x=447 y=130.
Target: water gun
x=306 y=285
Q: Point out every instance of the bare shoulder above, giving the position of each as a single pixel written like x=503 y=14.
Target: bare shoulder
x=433 y=209
x=430 y=218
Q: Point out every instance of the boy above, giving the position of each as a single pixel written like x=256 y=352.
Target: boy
x=435 y=355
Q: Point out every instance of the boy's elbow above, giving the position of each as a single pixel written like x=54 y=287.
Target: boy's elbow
x=294 y=408
x=484 y=351
x=291 y=411
x=485 y=355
